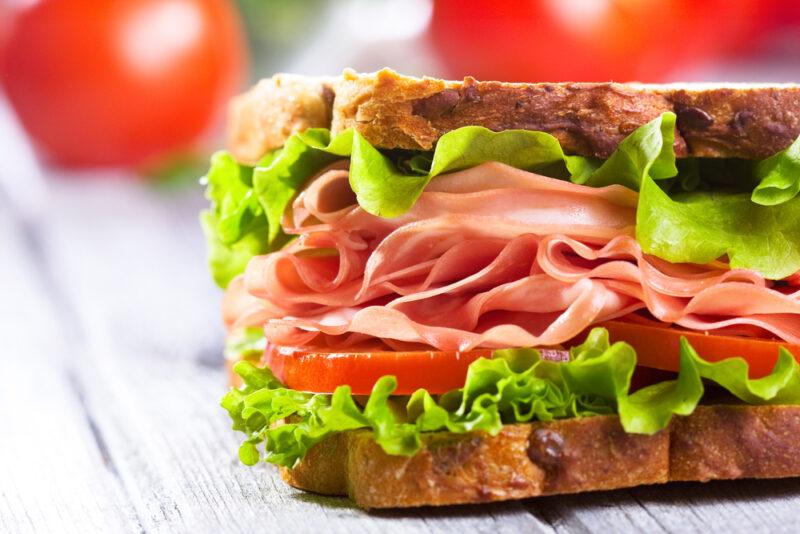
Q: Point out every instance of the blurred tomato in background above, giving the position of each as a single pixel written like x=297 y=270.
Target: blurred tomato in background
x=595 y=40
x=119 y=82
x=135 y=82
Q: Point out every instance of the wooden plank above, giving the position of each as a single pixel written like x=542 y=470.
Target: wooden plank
x=610 y=511
x=738 y=505
x=54 y=474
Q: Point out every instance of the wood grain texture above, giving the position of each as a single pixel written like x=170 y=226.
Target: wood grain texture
x=110 y=374
x=54 y=469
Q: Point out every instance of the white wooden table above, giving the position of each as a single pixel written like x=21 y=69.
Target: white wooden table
x=110 y=377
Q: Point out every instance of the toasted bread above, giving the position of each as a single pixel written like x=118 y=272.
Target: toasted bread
x=265 y=116
x=563 y=456
x=400 y=112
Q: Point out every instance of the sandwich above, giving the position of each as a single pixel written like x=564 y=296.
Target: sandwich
x=443 y=292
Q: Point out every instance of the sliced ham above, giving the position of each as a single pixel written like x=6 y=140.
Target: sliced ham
x=488 y=257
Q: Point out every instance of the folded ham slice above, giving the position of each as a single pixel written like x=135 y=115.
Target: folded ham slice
x=488 y=257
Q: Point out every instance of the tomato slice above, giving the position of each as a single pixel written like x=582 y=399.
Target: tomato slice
x=322 y=372
x=658 y=346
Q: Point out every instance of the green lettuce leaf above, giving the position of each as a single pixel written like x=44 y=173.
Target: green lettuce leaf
x=387 y=189
x=235 y=225
x=230 y=191
x=245 y=344
x=648 y=151
x=384 y=190
x=226 y=260
x=516 y=385
x=781 y=386
x=284 y=172
x=493 y=394
x=605 y=370
x=650 y=409
x=700 y=227
x=247 y=204
x=779 y=177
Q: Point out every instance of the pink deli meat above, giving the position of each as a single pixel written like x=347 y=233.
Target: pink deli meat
x=487 y=257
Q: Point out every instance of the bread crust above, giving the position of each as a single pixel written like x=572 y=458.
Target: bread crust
x=557 y=457
x=393 y=111
x=734 y=441
x=275 y=108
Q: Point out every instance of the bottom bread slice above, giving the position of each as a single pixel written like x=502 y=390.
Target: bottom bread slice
x=546 y=458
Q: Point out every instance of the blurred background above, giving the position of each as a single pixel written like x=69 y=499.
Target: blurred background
x=141 y=85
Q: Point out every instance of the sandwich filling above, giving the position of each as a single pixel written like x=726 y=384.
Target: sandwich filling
x=499 y=241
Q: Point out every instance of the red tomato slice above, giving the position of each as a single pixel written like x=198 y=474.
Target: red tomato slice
x=322 y=372
x=659 y=346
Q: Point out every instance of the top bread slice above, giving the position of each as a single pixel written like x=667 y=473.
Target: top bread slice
x=392 y=111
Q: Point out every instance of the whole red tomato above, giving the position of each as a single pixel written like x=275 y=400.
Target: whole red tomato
x=117 y=82
x=589 y=40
